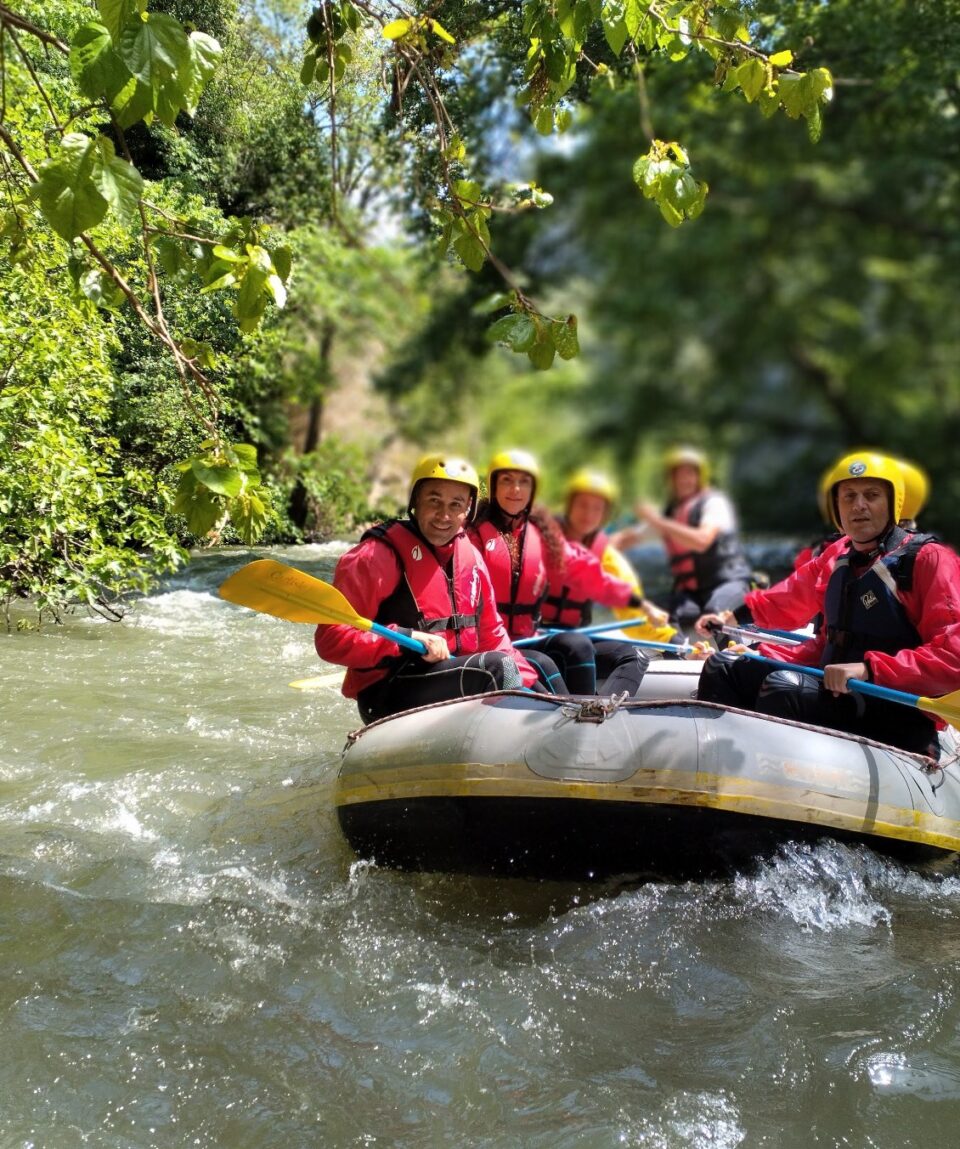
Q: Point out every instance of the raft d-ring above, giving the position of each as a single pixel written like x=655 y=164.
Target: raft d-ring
x=596 y=709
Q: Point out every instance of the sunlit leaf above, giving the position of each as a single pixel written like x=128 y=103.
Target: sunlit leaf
x=397 y=29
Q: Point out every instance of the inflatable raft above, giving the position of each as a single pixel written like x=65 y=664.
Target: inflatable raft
x=574 y=788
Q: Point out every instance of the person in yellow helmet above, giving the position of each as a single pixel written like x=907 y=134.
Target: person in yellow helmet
x=889 y=604
x=523 y=546
x=916 y=490
x=590 y=498
x=699 y=530
x=421 y=576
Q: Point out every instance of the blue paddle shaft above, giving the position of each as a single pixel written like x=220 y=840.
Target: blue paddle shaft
x=600 y=629
x=400 y=639
x=854 y=684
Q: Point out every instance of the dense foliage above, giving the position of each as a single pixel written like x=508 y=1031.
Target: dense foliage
x=148 y=374
x=207 y=208
x=814 y=306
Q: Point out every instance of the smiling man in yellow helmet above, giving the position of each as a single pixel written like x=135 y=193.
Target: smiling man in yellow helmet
x=422 y=576
x=889 y=599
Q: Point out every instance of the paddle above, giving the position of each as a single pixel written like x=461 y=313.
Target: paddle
x=334 y=681
x=285 y=592
x=757 y=634
x=600 y=628
x=947 y=707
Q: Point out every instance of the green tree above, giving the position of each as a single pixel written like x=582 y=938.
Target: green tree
x=817 y=306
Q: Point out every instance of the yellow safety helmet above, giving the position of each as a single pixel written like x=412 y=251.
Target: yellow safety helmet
x=824 y=487
x=587 y=482
x=687 y=456
x=449 y=467
x=512 y=460
x=865 y=465
x=916 y=489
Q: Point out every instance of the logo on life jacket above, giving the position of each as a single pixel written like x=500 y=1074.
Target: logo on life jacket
x=490 y=544
x=416 y=553
x=869 y=599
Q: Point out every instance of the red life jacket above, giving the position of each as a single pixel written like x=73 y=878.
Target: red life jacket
x=722 y=561
x=519 y=592
x=427 y=598
x=561 y=608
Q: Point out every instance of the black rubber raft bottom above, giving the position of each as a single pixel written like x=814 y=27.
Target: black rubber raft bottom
x=581 y=840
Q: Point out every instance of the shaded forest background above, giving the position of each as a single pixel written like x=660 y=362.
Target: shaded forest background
x=813 y=307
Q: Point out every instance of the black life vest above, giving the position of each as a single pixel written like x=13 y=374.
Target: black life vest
x=864 y=611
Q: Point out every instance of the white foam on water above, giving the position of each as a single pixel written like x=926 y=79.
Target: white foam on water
x=824 y=887
x=177 y=612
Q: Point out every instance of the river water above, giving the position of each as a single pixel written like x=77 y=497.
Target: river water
x=190 y=955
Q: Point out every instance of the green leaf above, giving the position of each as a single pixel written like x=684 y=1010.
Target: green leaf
x=752 y=77
x=308 y=69
x=199 y=505
x=227 y=254
x=467 y=191
x=246 y=456
x=118 y=181
x=158 y=53
x=96 y=69
x=100 y=289
x=249 y=515
x=282 y=258
x=495 y=302
x=219 y=478
x=614 y=25
x=133 y=102
x=543 y=121
x=670 y=212
x=565 y=337
x=204 y=56
x=202 y=352
x=542 y=353
x=116 y=13
x=782 y=59
x=634 y=13
x=68 y=195
x=155 y=49
x=518 y=332
x=468 y=247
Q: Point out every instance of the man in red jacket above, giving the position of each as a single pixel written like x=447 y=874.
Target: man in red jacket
x=421 y=576
x=890 y=602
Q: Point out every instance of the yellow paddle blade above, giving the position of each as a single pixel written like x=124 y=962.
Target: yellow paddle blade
x=333 y=681
x=946 y=707
x=273 y=588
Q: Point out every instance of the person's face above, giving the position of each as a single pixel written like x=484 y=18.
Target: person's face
x=586 y=513
x=441 y=508
x=863 y=506
x=685 y=480
x=514 y=491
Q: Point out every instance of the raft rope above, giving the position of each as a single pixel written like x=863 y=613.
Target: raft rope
x=594 y=709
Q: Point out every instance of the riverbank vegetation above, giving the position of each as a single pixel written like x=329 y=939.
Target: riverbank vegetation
x=253 y=257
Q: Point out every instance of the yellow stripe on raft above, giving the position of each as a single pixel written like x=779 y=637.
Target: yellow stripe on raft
x=712 y=792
